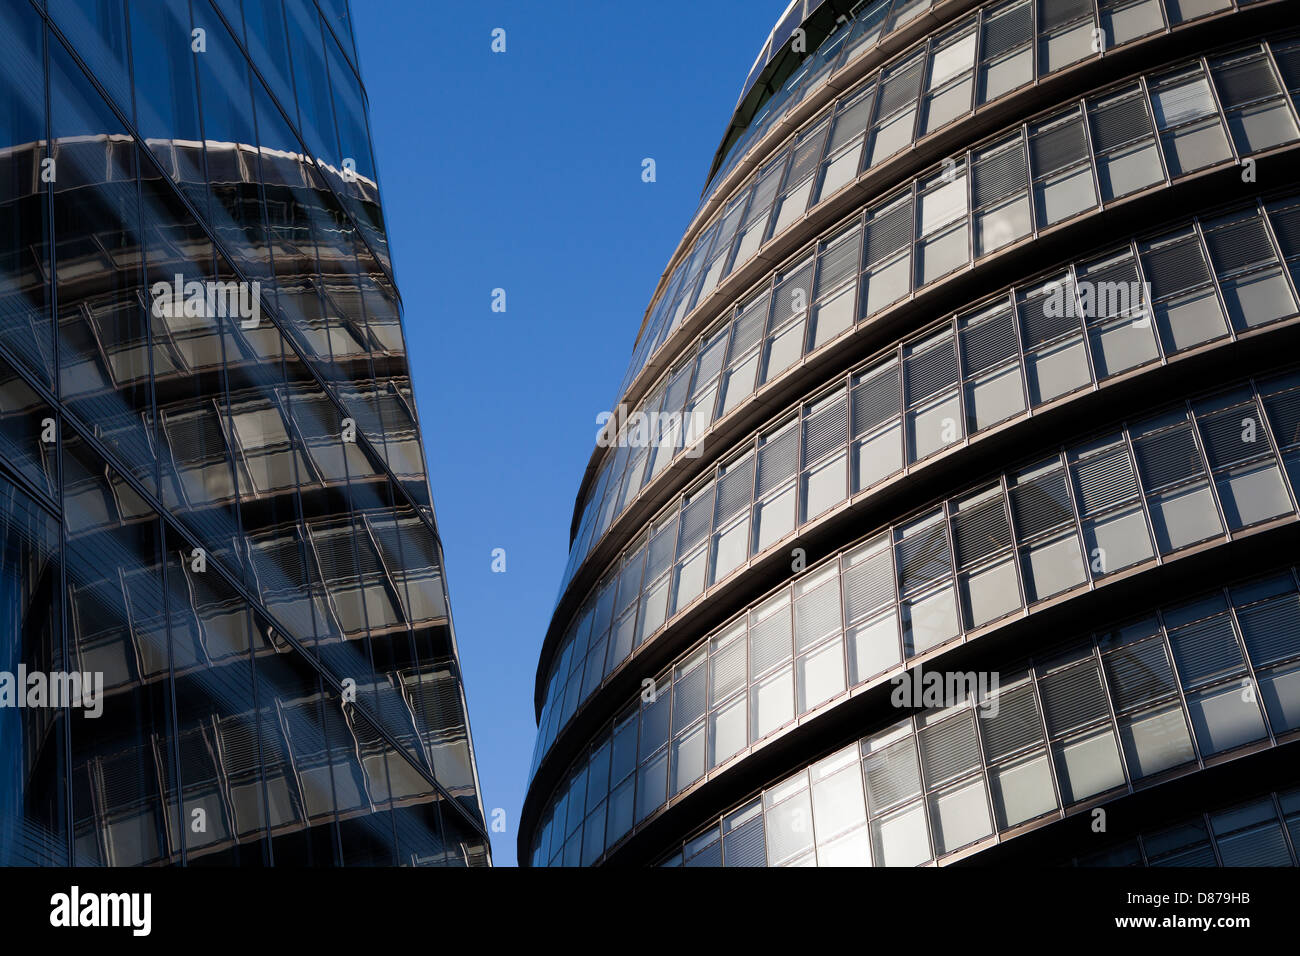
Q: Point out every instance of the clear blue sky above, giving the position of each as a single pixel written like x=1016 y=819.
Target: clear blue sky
x=522 y=171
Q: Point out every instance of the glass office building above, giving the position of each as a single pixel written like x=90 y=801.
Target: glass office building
x=976 y=362
x=223 y=618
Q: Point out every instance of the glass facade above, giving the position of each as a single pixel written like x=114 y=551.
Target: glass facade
x=1100 y=406
x=213 y=499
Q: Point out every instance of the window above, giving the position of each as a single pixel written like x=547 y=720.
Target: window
x=659 y=561
x=990 y=356
x=742 y=359
x=1050 y=557
x=1124 y=139
x=1282 y=402
x=1190 y=129
x=1006 y=50
x=1182 y=508
x=952 y=769
x=825 y=460
x=723 y=244
x=1000 y=195
x=1056 y=360
x=819 y=668
x=774 y=498
x=934 y=414
x=836 y=289
x=1115 y=534
x=949 y=80
x=789 y=821
x=900 y=835
x=1268 y=613
x=1063 y=186
x=1078 y=723
x=1257 y=110
x=1245 y=470
x=1118 y=317
x=731 y=538
x=754 y=229
x=896 y=109
x=840 y=810
x=1180 y=11
x=925 y=584
x=877 y=448
x=689 y=700
x=1251 y=835
x=727 y=718
x=1184 y=302
x=800 y=176
x=844 y=151
x=868 y=586
x=944 y=238
x=1065 y=33
x=771 y=695
x=692 y=555
x=790 y=302
x=986 y=568
x=1126 y=20
x=1255 y=288
x=1020 y=775
x=887 y=254
x=1213 y=673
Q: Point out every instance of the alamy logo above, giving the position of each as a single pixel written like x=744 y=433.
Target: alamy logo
x=58 y=689
x=937 y=689
x=213 y=300
x=652 y=430
x=75 y=909
x=1099 y=300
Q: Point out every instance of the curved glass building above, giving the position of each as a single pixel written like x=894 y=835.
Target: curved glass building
x=952 y=491
x=223 y=617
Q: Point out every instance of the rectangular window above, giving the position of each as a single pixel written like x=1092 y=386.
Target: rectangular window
x=1245 y=471
x=1174 y=481
x=1056 y=359
x=1050 y=555
x=986 y=567
x=1000 y=195
x=887 y=252
x=1184 y=302
x=877 y=447
x=944 y=243
x=1124 y=139
x=785 y=341
x=1118 y=317
x=896 y=109
x=1065 y=32
x=1191 y=131
x=837 y=270
x=949 y=80
x=1006 y=49
x=1083 y=746
x=774 y=508
x=990 y=357
x=1058 y=152
x=825 y=461
x=1125 y=20
x=1114 y=525
x=930 y=376
x=1259 y=115
x=800 y=176
x=844 y=151
x=925 y=584
x=738 y=380
x=1255 y=288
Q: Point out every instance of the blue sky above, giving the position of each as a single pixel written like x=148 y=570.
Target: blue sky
x=522 y=171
